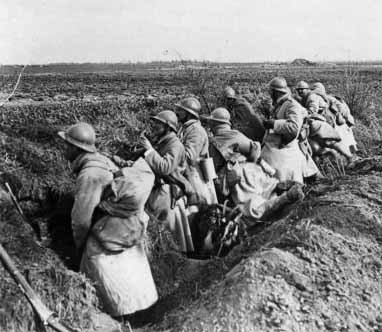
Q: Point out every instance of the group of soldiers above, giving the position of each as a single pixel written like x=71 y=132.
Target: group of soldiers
x=255 y=164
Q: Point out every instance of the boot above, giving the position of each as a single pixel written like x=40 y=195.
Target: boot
x=295 y=193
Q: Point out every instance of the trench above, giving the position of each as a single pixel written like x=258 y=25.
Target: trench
x=180 y=280
x=175 y=287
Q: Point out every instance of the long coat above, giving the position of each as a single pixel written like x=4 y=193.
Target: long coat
x=224 y=141
x=123 y=280
x=166 y=158
x=315 y=104
x=94 y=173
x=281 y=148
x=345 y=129
x=195 y=140
x=255 y=187
x=245 y=119
x=167 y=155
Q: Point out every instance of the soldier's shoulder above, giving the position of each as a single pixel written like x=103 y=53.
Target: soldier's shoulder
x=293 y=104
x=196 y=127
x=242 y=101
x=175 y=144
x=312 y=96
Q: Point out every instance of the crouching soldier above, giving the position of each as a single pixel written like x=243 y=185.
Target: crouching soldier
x=281 y=143
x=244 y=118
x=195 y=140
x=323 y=115
x=343 y=121
x=167 y=159
x=113 y=253
x=242 y=175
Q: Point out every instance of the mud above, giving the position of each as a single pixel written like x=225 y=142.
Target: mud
x=317 y=269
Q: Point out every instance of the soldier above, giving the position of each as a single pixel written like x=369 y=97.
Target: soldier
x=195 y=140
x=244 y=118
x=344 y=121
x=242 y=175
x=281 y=146
x=167 y=159
x=322 y=111
x=315 y=101
x=122 y=278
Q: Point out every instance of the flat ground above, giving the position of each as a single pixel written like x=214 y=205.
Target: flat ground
x=317 y=267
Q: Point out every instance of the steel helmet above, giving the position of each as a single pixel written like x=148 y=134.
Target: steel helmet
x=319 y=87
x=190 y=105
x=81 y=135
x=167 y=117
x=220 y=115
x=279 y=84
x=302 y=85
x=229 y=92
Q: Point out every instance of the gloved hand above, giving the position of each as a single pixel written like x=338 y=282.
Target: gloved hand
x=269 y=124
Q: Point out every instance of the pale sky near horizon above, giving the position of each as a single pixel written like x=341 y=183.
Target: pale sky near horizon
x=43 y=31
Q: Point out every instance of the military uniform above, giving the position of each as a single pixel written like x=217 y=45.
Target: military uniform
x=167 y=159
x=245 y=119
x=281 y=147
x=343 y=127
x=254 y=190
x=318 y=104
x=195 y=140
x=123 y=279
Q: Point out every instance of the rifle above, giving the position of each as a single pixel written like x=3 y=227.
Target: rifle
x=35 y=226
x=47 y=317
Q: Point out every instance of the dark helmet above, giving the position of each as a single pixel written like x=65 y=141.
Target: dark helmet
x=219 y=115
x=279 y=84
x=190 y=105
x=229 y=92
x=302 y=85
x=81 y=135
x=167 y=117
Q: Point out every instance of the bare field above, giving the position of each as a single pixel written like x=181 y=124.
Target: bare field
x=316 y=268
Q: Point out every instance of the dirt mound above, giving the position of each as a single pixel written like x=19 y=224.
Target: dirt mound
x=302 y=62
x=318 y=269
x=63 y=291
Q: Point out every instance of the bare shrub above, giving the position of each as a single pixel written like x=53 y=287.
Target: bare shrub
x=202 y=79
x=359 y=94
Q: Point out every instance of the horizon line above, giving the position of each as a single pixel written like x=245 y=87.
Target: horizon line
x=129 y=62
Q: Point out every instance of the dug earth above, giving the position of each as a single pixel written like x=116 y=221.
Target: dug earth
x=316 y=268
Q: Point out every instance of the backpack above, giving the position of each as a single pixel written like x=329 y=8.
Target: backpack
x=123 y=223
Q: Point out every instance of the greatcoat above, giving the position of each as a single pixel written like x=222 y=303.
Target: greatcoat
x=123 y=279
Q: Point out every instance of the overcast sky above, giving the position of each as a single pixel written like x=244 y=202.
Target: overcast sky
x=42 y=31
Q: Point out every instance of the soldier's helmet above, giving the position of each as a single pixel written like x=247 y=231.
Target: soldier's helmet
x=81 y=135
x=190 y=105
x=302 y=85
x=279 y=84
x=229 y=92
x=167 y=117
x=219 y=115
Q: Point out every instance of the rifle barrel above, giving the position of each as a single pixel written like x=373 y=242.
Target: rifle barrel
x=35 y=226
x=46 y=316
